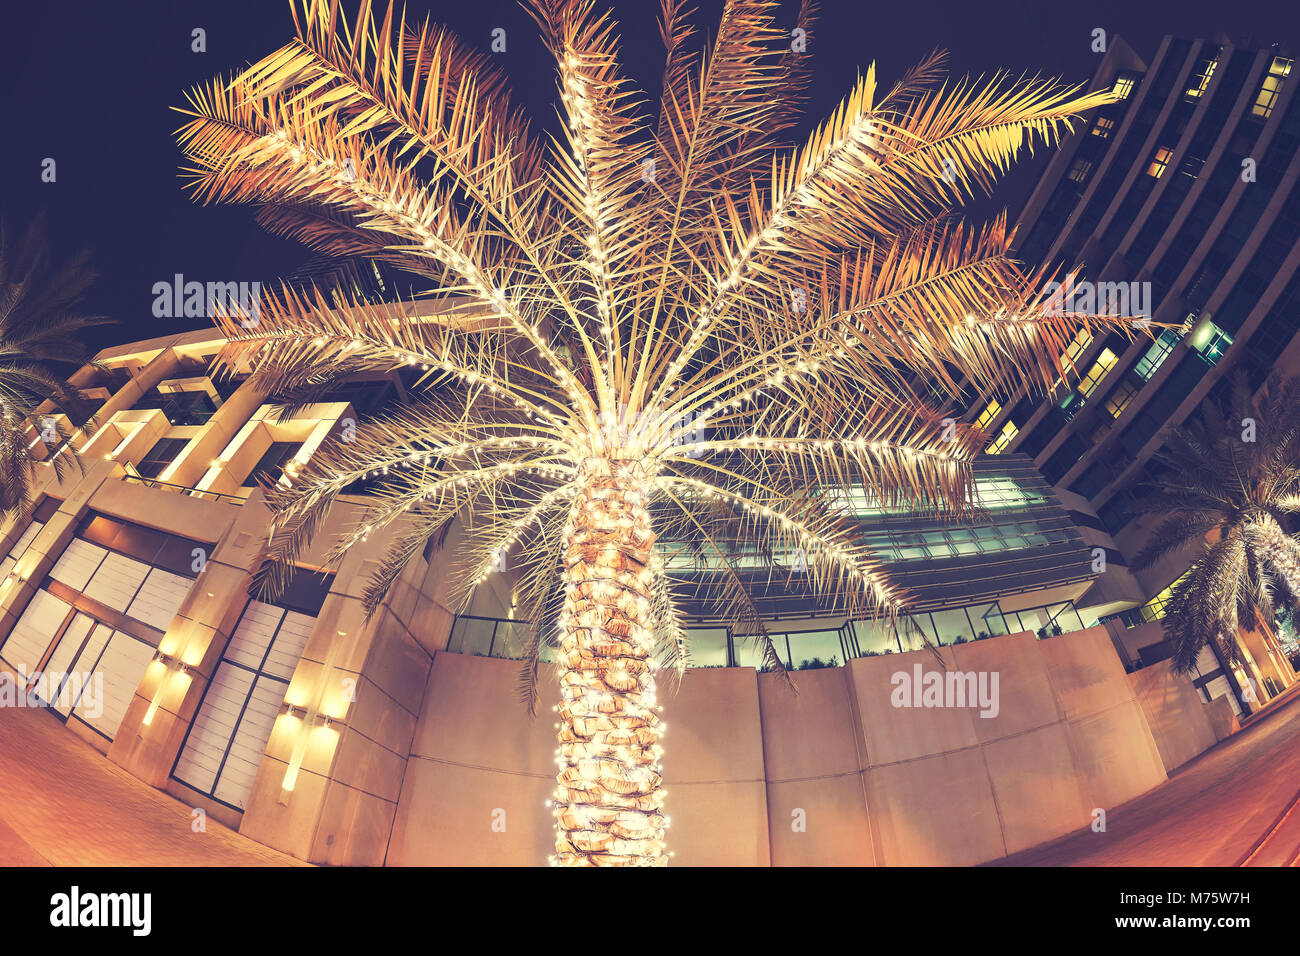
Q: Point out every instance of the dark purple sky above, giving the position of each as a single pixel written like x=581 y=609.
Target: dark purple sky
x=89 y=84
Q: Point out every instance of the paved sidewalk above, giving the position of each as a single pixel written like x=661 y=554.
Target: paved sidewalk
x=62 y=803
x=1228 y=804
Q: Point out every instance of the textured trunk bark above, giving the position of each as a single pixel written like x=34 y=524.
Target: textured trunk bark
x=608 y=804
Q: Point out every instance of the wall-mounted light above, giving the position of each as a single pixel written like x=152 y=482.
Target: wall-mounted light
x=181 y=667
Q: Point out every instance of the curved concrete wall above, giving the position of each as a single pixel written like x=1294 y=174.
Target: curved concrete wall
x=758 y=774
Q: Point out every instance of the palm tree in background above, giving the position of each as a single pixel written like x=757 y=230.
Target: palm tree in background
x=38 y=325
x=666 y=342
x=1230 y=484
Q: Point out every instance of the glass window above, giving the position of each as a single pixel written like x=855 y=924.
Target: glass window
x=1079 y=171
x=1211 y=342
x=1082 y=339
x=746 y=651
x=809 y=649
x=963 y=541
x=1119 y=398
x=1104 y=363
x=911 y=546
x=1124 y=84
x=915 y=631
x=1032 y=619
x=952 y=626
x=271 y=464
x=1160 y=162
x=1103 y=127
x=224 y=746
x=989 y=413
x=1005 y=436
x=937 y=544
x=874 y=637
x=708 y=646
x=987 y=620
x=186 y=407
x=1269 y=89
x=511 y=640
x=470 y=635
x=1201 y=78
x=19 y=547
x=162 y=454
x=1156 y=354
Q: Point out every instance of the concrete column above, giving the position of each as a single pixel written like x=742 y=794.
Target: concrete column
x=76 y=489
x=160 y=368
x=1268 y=664
x=328 y=786
x=154 y=727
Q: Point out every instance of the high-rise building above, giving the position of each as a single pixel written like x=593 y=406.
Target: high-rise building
x=1179 y=202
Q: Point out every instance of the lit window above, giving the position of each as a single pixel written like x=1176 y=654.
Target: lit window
x=1211 y=341
x=988 y=414
x=1265 y=100
x=999 y=444
x=1103 y=127
x=1071 y=404
x=1201 y=79
x=1156 y=354
x=1105 y=362
x=1123 y=86
x=1160 y=162
x=1119 y=398
x=1154 y=609
x=1079 y=171
x=1082 y=339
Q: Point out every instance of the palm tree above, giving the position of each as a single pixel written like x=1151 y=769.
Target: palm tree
x=38 y=325
x=1229 y=484
x=664 y=341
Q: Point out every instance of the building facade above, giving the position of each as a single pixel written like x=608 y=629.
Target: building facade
x=1181 y=203
x=398 y=738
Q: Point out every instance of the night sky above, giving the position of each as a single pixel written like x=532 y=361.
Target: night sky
x=90 y=84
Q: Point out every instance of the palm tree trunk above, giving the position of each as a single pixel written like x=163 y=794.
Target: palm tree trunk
x=608 y=803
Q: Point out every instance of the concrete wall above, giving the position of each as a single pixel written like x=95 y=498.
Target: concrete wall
x=1182 y=725
x=759 y=774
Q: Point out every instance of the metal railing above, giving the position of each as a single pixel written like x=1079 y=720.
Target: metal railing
x=182 y=489
x=803 y=649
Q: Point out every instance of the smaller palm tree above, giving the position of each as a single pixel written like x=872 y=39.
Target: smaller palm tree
x=1230 y=484
x=38 y=325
